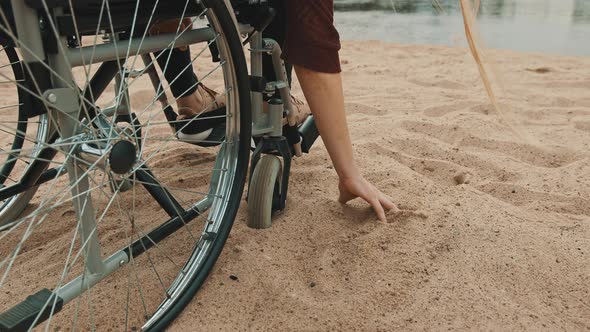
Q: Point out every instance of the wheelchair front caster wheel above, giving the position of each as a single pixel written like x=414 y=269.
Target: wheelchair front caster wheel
x=264 y=192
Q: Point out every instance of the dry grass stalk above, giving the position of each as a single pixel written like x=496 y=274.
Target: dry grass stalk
x=469 y=11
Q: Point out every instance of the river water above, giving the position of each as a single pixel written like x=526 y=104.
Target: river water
x=545 y=26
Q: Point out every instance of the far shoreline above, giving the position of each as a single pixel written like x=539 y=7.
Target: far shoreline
x=443 y=46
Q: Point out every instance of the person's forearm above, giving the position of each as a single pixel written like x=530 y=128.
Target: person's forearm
x=326 y=100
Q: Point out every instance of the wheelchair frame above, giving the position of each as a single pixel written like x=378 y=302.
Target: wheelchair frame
x=63 y=103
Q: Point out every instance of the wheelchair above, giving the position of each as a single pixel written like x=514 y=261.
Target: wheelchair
x=112 y=210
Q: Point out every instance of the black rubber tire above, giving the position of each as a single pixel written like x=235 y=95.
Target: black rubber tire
x=11 y=208
x=237 y=54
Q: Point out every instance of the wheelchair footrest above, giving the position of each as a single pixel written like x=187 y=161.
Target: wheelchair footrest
x=309 y=134
x=24 y=314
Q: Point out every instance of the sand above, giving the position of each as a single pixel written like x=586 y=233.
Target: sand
x=507 y=251
x=494 y=232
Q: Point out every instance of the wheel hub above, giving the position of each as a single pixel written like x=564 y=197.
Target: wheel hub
x=122 y=157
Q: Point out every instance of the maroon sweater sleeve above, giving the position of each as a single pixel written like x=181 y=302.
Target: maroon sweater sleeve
x=312 y=41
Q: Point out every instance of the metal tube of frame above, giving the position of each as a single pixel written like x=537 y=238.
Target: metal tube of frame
x=107 y=52
x=276 y=118
x=27 y=29
x=82 y=283
x=123 y=105
x=256 y=68
x=66 y=109
x=155 y=79
x=280 y=72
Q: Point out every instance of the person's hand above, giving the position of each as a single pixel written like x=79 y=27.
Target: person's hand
x=353 y=187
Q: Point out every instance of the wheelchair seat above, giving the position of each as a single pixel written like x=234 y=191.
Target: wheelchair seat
x=87 y=13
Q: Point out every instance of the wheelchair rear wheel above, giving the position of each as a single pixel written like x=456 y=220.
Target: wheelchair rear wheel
x=162 y=207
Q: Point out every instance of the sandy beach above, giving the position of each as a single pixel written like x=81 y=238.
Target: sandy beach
x=494 y=232
x=507 y=251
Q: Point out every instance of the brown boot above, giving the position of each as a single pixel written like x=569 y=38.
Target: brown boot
x=202 y=100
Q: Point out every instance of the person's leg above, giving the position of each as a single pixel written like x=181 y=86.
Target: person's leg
x=312 y=47
x=276 y=30
x=191 y=96
x=178 y=71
